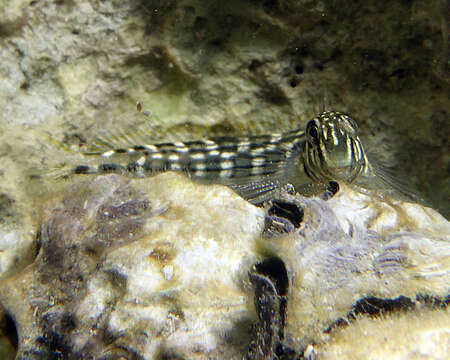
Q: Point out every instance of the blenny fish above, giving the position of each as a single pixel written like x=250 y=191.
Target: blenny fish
x=256 y=167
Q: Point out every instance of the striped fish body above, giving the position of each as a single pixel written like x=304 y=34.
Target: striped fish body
x=255 y=167
x=252 y=166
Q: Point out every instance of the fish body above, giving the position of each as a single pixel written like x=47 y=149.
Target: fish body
x=217 y=160
x=255 y=166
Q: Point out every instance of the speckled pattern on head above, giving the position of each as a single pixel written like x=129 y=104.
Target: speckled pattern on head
x=254 y=166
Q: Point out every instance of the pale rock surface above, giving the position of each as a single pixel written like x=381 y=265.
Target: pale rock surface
x=159 y=268
x=418 y=335
x=356 y=246
x=73 y=69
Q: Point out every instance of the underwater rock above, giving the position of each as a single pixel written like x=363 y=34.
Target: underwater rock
x=163 y=268
x=17 y=245
x=73 y=68
x=144 y=268
x=76 y=68
x=412 y=335
x=356 y=254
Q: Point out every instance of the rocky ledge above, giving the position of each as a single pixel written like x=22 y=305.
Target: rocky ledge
x=162 y=268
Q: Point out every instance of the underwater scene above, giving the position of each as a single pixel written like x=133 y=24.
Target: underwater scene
x=201 y=179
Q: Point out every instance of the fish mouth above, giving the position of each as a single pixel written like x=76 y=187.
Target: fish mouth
x=346 y=173
x=339 y=163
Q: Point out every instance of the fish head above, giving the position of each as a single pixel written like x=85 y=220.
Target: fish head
x=333 y=150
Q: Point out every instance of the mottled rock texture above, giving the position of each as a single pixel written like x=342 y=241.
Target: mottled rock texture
x=209 y=67
x=162 y=268
x=353 y=250
x=73 y=69
x=425 y=335
x=146 y=269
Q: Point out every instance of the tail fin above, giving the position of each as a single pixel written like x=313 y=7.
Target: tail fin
x=59 y=160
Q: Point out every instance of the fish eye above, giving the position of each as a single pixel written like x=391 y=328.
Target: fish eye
x=312 y=130
x=313 y=133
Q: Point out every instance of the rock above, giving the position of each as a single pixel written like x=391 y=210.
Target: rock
x=353 y=251
x=17 y=236
x=143 y=267
x=74 y=69
x=413 y=335
x=162 y=267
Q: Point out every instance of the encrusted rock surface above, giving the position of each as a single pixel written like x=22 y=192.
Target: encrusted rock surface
x=155 y=267
x=209 y=67
x=162 y=268
x=420 y=335
x=75 y=68
x=353 y=250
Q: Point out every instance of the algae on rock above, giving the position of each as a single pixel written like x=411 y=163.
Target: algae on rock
x=160 y=267
x=74 y=68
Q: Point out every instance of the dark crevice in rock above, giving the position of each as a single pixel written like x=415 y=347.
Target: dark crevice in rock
x=331 y=190
x=275 y=270
x=6 y=206
x=289 y=211
x=168 y=355
x=270 y=281
x=433 y=301
x=9 y=329
x=373 y=306
x=254 y=65
x=282 y=217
